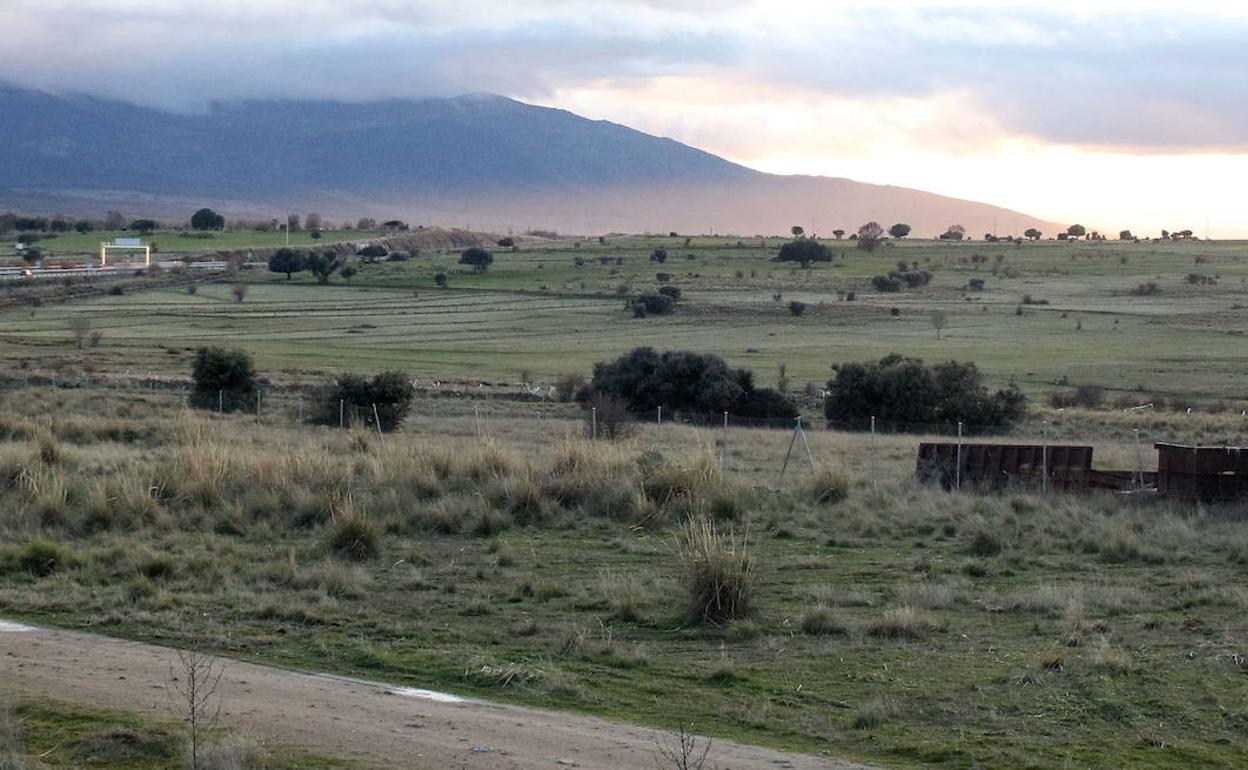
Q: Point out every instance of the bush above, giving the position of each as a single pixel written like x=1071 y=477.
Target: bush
x=354 y=537
x=42 y=558
x=670 y=291
x=439 y=279
x=568 y=385
x=224 y=379
x=659 y=255
x=1085 y=396
x=372 y=251
x=477 y=257
x=388 y=393
x=1146 y=289
x=804 y=251
x=797 y=308
x=286 y=261
x=643 y=380
x=821 y=622
x=828 y=488
x=906 y=394
x=886 y=283
x=506 y=243
x=718 y=571
x=650 y=304
x=608 y=418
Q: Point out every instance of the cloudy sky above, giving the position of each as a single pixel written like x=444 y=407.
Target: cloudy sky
x=1114 y=114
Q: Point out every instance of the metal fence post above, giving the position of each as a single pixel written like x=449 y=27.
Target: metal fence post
x=957 y=471
x=593 y=422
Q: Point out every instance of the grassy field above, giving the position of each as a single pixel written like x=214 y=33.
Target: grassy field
x=536 y=312
x=37 y=734
x=165 y=243
x=901 y=624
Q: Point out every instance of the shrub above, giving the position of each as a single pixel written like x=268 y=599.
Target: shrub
x=239 y=291
x=643 y=380
x=900 y=623
x=659 y=255
x=904 y=393
x=568 y=385
x=354 y=537
x=804 y=251
x=608 y=418
x=1085 y=396
x=223 y=379
x=386 y=397
x=506 y=243
x=886 y=283
x=323 y=265
x=42 y=558
x=477 y=257
x=650 y=304
x=797 y=308
x=718 y=571
x=439 y=279
x=372 y=251
x=1146 y=289
x=976 y=284
x=828 y=488
x=670 y=291
x=821 y=622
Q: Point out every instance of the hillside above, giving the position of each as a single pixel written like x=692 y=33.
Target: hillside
x=479 y=159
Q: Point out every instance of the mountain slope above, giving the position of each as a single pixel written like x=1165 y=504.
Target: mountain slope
x=487 y=159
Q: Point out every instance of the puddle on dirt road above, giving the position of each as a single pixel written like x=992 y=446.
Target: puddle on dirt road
x=13 y=628
x=415 y=692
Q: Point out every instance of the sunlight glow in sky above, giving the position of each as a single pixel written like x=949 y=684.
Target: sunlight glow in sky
x=1114 y=114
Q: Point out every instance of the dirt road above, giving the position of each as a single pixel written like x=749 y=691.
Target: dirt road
x=371 y=723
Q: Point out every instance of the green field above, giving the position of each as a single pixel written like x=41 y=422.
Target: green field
x=166 y=243
x=537 y=312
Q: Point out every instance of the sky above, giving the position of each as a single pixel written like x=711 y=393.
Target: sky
x=1117 y=115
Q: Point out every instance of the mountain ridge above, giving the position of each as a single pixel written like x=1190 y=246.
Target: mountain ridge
x=479 y=157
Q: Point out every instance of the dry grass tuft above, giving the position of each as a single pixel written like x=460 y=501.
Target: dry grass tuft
x=901 y=623
x=719 y=572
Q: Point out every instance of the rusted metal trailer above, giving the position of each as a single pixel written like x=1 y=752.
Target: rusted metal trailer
x=1202 y=473
x=997 y=465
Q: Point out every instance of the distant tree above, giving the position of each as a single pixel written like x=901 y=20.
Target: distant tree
x=349 y=272
x=804 y=251
x=869 y=236
x=670 y=291
x=838 y=234
x=797 y=230
x=286 y=261
x=899 y=230
x=659 y=255
x=1076 y=231
x=33 y=224
x=1032 y=233
x=906 y=394
x=59 y=225
x=479 y=258
x=507 y=242
x=439 y=279
x=144 y=226
x=114 y=220
x=83 y=226
x=312 y=221
x=797 y=308
x=650 y=303
x=80 y=327
x=224 y=379
x=939 y=320
x=372 y=252
x=394 y=224
x=207 y=219
x=1125 y=235
x=386 y=397
x=315 y=235
x=322 y=265
x=292 y=223
x=239 y=291
x=954 y=233
x=366 y=223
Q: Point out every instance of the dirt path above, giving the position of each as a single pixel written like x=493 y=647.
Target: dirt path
x=363 y=721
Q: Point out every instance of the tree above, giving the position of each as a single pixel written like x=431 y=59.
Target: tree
x=659 y=255
x=322 y=265
x=1125 y=235
x=207 y=219
x=939 y=319
x=797 y=308
x=239 y=290
x=348 y=273
x=223 y=379
x=372 y=252
x=144 y=226
x=386 y=397
x=838 y=234
x=312 y=221
x=644 y=380
x=1032 y=233
x=899 y=230
x=286 y=261
x=954 y=233
x=80 y=327
x=804 y=251
x=394 y=224
x=83 y=226
x=479 y=258
x=650 y=303
x=906 y=394
x=366 y=223
x=797 y=231
x=869 y=236
x=114 y=220
x=1076 y=231
x=292 y=223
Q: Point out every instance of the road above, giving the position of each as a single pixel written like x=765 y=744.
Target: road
x=368 y=722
